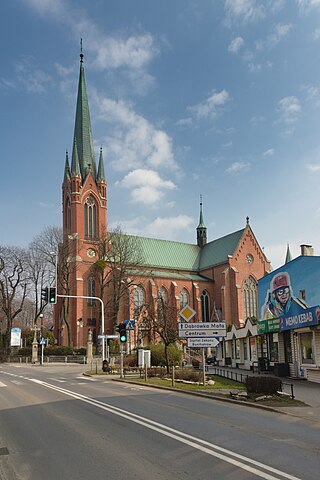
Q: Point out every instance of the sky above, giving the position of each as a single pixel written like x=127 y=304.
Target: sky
x=219 y=98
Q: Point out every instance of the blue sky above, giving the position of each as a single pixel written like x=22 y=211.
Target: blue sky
x=212 y=97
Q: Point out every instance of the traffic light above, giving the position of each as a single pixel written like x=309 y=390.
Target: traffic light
x=52 y=295
x=122 y=329
x=44 y=295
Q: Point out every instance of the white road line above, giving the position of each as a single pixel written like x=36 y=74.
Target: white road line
x=257 y=468
x=60 y=380
x=16 y=382
x=3 y=384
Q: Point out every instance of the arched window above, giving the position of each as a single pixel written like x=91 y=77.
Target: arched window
x=90 y=218
x=91 y=291
x=205 y=306
x=250 y=290
x=162 y=293
x=138 y=297
x=184 y=298
x=68 y=215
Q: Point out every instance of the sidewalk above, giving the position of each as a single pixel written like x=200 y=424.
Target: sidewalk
x=307 y=392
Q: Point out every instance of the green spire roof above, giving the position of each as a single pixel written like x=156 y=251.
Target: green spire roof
x=75 y=167
x=288 y=255
x=66 y=169
x=101 y=175
x=201 y=222
x=82 y=130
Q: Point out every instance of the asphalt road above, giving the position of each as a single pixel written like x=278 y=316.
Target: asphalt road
x=57 y=424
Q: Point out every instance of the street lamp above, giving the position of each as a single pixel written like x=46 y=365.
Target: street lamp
x=41 y=323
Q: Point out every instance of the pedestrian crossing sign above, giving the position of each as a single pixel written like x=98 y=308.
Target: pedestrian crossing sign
x=129 y=324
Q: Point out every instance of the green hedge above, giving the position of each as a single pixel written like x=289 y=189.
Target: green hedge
x=263 y=385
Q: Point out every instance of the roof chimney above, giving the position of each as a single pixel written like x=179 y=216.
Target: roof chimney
x=306 y=250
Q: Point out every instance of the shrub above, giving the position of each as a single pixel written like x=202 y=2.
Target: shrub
x=263 y=385
x=157 y=372
x=187 y=374
x=25 y=352
x=58 y=351
x=158 y=357
x=80 y=351
x=130 y=360
x=195 y=362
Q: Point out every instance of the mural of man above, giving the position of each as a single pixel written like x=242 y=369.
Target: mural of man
x=280 y=300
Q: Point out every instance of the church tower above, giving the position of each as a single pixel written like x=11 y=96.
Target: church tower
x=84 y=213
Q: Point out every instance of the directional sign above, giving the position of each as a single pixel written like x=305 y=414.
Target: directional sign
x=187 y=313
x=202 y=329
x=42 y=341
x=129 y=324
x=203 y=342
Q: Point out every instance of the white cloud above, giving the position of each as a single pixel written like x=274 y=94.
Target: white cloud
x=268 y=153
x=289 y=108
x=184 y=122
x=316 y=34
x=314 y=167
x=147 y=186
x=235 y=45
x=28 y=77
x=308 y=4
x=238 y=167
x=244 y=11
x=209 y=108
x=130 y=52
x=169 y=228
x=280 y=31
x=134 y=142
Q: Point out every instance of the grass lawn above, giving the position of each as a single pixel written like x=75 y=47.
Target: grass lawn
x=220 y=384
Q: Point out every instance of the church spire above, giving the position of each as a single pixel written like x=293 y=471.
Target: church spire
x=288 y=255
x=66 y=177
x=75 y=166
x=101 y=176
x=82 y=130
x=201 y=229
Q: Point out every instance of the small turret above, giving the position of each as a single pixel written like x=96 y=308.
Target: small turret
x=201 y=229
x=288 y=255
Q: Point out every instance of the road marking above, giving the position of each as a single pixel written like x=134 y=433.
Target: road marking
x=16 y=382
x=3 y=384
x=257 y=468
x=89 y=379
x=60 y=380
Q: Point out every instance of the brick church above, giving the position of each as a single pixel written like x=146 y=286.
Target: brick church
x=218 y=278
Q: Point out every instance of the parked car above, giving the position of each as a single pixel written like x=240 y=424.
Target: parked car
x=211 y=361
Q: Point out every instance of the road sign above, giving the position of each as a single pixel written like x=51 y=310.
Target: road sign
x=42 y=341
x=15 y=340
x=108 y=336
x=187 y=313
x=202 y=329
x=129 y=324
x=203 y=342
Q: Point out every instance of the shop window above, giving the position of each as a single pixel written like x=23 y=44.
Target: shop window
x=274 y=347
x=306 y=347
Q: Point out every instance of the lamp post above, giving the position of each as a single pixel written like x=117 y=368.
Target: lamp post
x=41 y=323
x=55 y=254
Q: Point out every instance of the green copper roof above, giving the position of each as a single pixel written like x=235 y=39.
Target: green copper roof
x=183 y=256
x=201 y=222
x=82 y=130
x=288 y=255
x=75 y=166
x=101 y=175
x=217 y=251
x=66 y=169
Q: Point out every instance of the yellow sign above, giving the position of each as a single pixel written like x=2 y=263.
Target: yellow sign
x=187 y=313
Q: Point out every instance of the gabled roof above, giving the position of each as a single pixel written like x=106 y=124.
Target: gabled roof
x=217 y=251
x=183 y=256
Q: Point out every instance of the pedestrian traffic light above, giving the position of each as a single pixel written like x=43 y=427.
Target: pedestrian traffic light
x=44 y=295
x=52 y=295
x=122 y=329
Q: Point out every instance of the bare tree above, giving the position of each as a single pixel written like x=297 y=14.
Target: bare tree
x=120 y=263
x=13 y=286
x=161 y=319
